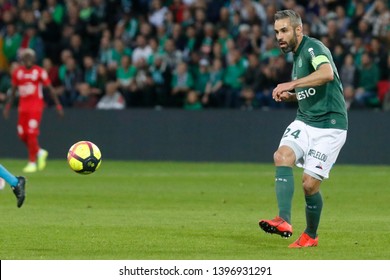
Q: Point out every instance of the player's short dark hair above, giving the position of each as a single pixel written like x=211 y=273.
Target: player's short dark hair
x=294 y=17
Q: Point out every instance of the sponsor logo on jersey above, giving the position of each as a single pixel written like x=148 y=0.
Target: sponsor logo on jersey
x=317 y=155
x=28 y=76
x=303 y=94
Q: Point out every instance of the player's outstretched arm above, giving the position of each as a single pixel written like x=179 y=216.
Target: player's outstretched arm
x=8 y=104
x=54 y=96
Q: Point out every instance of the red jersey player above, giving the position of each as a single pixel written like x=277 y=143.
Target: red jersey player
x=29 y=79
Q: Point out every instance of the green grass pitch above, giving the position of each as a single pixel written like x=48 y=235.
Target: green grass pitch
x=188 y=211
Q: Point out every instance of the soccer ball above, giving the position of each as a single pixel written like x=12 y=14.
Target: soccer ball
x=84 y=157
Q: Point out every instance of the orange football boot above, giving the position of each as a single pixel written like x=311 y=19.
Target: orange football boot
x=304 y=241
x=277 y=226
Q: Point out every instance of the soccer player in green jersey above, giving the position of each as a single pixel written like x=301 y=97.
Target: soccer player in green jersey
x=314 y=139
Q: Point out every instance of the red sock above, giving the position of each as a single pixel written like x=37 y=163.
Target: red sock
x=33 y=147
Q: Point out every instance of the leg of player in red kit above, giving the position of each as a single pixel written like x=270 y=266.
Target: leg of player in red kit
x=23 y=119
x=28 y=129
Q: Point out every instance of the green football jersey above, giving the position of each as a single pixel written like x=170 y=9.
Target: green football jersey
x=321 y=106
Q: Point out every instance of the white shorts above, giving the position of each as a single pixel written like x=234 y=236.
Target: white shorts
x=316 y=149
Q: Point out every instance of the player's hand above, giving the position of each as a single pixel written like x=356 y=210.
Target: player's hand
x=284 y=96
x=60 y=110
x=281 y=92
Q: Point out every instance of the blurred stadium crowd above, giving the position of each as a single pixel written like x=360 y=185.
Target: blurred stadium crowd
x=190 y=54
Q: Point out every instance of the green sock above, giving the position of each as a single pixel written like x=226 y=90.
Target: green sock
x=313 y=213
x=284 y=186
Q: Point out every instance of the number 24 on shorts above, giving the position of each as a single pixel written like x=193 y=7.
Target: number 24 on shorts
x=294 y=134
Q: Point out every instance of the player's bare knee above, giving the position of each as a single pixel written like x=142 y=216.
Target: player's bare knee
x=307 y=187
x=283 y=158
x=276 y=157
x=310 y=185
x=279 y=158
